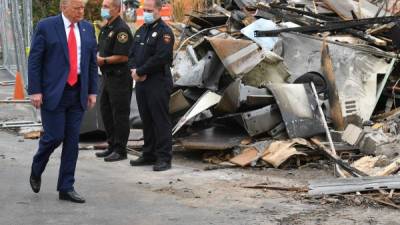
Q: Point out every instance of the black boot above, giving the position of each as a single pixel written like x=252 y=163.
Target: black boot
x=104 y=153
x=162 y=166
x=115 y=156
x=142 y=161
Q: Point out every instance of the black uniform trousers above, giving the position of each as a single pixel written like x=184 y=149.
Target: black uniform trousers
x=115 y=109
x=152 y=97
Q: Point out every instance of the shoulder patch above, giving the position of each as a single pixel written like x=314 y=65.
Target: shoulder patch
x=167 y=38
x=122 y=37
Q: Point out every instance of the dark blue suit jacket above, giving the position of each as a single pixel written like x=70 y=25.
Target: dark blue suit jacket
x=48 y=64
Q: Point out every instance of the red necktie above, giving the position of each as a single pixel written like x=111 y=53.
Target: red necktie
x=73 y=57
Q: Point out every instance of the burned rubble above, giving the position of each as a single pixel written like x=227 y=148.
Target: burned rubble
x=285 y=83
x=288 y=84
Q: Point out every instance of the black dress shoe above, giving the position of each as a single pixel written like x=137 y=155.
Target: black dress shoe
x=162 y=166
x=115 y=157
x=71 y=196
x=104 y=153
x=141 y=161
x=35 y=183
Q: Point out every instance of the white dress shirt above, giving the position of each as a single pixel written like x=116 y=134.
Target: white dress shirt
x=67 y=25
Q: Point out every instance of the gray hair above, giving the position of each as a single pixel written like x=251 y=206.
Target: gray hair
x=63 y=2
x=116 y=3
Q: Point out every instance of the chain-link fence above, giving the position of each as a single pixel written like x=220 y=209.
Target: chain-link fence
x=15 y=34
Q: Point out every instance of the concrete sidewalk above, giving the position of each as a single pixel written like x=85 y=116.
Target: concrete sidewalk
x=116 y=193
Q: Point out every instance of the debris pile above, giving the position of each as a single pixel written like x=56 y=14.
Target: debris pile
x=285 y=83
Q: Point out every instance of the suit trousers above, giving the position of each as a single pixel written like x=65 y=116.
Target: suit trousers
x=61 y=125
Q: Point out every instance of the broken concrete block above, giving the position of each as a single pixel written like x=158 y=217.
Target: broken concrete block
x=352 y=134
x=390 y=150
x=371 y=141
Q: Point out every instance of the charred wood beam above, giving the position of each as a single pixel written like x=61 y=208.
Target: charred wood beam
x=286 y=17
x=329 y=26
x=302 y=12
x=347 y=167
x=357 y=33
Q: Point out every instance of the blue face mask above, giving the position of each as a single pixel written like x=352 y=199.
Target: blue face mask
x=105 y=13
x=148 y=17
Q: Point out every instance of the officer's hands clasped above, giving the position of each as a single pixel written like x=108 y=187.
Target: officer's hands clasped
x=136 y=77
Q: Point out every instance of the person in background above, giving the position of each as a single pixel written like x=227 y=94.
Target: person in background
x=150 y=60
x=115 y=40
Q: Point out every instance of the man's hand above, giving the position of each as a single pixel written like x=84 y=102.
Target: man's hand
x=136 y=77
x=91 y=101
x=37 y=100
x=100 y=61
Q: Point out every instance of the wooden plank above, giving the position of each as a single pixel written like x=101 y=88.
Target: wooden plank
x=32 y=135
x=387 y=202
x=280 y=151
x=246 y=157
x=278 y=188
x=388 y=115
x=135 y=144
x=334 y=102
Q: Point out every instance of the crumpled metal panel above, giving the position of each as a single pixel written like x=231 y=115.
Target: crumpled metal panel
x=267 y=43
x=255 y=122
x=238 y=56
x=356 y=70
x=261 y=24
x=299 y=109
x=178 y=102
x=206 y=73
x=259 y=100
x=214 y=138
x=235 y=95
x=246 y=60
x=270 y=70
x=261 y=120
x=206 y=101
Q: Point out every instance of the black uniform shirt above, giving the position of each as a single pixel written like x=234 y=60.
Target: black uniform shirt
x=152 y=49
x=115 y=39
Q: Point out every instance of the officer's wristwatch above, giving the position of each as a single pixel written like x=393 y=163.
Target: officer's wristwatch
x=105 y=61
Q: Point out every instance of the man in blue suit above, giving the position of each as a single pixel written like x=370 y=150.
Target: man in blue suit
x=63 y=74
